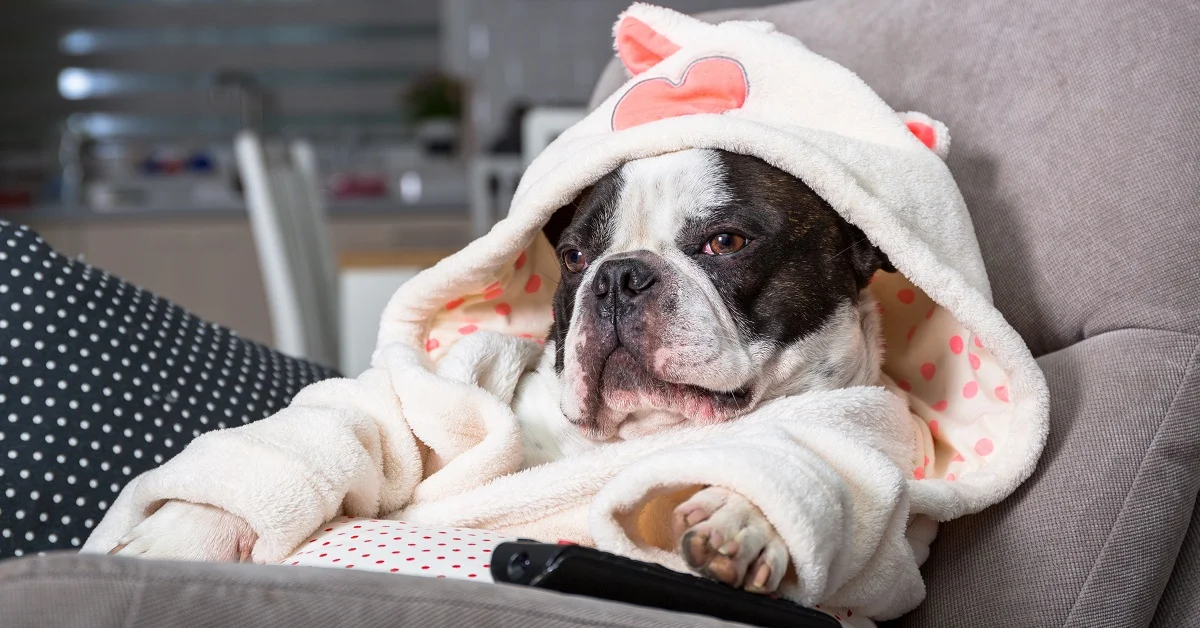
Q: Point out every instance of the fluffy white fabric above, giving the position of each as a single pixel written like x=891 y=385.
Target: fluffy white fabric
x=445 y=449
x=833 y=472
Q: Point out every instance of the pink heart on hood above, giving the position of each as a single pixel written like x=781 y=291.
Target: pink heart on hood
x=710 y=85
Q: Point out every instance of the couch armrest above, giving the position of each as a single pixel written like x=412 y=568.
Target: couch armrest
x=89 y=591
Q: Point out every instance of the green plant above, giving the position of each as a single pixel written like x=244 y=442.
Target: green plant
x=431 y=96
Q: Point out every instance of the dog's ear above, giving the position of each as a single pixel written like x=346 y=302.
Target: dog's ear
x=562 y=217
x=866 y=258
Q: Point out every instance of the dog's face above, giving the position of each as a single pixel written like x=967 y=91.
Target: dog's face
x=699 y=283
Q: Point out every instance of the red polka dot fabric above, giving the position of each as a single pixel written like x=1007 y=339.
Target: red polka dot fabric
x=515 y=300
x=956 y=391
x=401 y=548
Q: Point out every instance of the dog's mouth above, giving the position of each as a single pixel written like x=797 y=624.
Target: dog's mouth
x=639 y=402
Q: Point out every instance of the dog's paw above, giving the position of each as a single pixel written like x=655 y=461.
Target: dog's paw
x=186 y=531
x=725 y=537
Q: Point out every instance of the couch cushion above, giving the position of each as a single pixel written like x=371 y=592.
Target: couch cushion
x=100 y=591
x=1076 y=142
x=1180 y=605
x=1092 y=537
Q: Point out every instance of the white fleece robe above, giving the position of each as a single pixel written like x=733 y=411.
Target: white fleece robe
x=852 y=479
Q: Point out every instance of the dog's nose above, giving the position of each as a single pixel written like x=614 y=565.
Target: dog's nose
x=628 y=277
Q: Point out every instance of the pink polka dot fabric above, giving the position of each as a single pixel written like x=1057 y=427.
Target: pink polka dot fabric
x=957 y=393
x=401 y=548
x=516 y=300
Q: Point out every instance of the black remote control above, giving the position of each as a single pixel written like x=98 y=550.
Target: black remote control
x=580 y=570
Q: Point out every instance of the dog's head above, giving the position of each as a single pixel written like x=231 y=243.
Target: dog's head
x=697 y=284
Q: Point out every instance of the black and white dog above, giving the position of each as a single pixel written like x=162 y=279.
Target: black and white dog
x=695 y=286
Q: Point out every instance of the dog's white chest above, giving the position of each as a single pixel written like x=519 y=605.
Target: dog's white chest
x=546 y=434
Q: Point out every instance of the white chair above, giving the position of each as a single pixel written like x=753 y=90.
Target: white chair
x=291 y=235
x=494 y=178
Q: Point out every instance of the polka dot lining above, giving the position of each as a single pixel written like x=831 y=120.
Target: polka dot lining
x=955 y=388
x=513 y=299
x=101 y=381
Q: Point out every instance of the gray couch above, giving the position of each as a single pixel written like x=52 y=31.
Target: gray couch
x=1076 y=130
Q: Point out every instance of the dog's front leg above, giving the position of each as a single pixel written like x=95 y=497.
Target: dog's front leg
x=185 y=531
x=723 y=536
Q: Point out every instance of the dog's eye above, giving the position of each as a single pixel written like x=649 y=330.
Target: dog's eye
x=724 y=244
x=574 y=260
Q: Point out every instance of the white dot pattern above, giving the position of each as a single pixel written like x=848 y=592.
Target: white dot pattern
x=101 y=381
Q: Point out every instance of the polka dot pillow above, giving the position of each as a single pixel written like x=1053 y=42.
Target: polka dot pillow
x=101 y=381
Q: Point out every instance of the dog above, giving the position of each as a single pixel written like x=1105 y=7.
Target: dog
x=695 y=286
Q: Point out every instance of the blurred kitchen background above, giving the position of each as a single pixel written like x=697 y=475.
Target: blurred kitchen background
x=280 y=166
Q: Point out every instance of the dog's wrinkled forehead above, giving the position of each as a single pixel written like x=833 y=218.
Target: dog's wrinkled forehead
x=649 y=201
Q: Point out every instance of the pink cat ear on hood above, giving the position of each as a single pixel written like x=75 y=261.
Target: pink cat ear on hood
x=639 y=46
x=932 y=133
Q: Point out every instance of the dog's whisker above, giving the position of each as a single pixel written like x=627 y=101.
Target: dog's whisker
x=852 y=245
